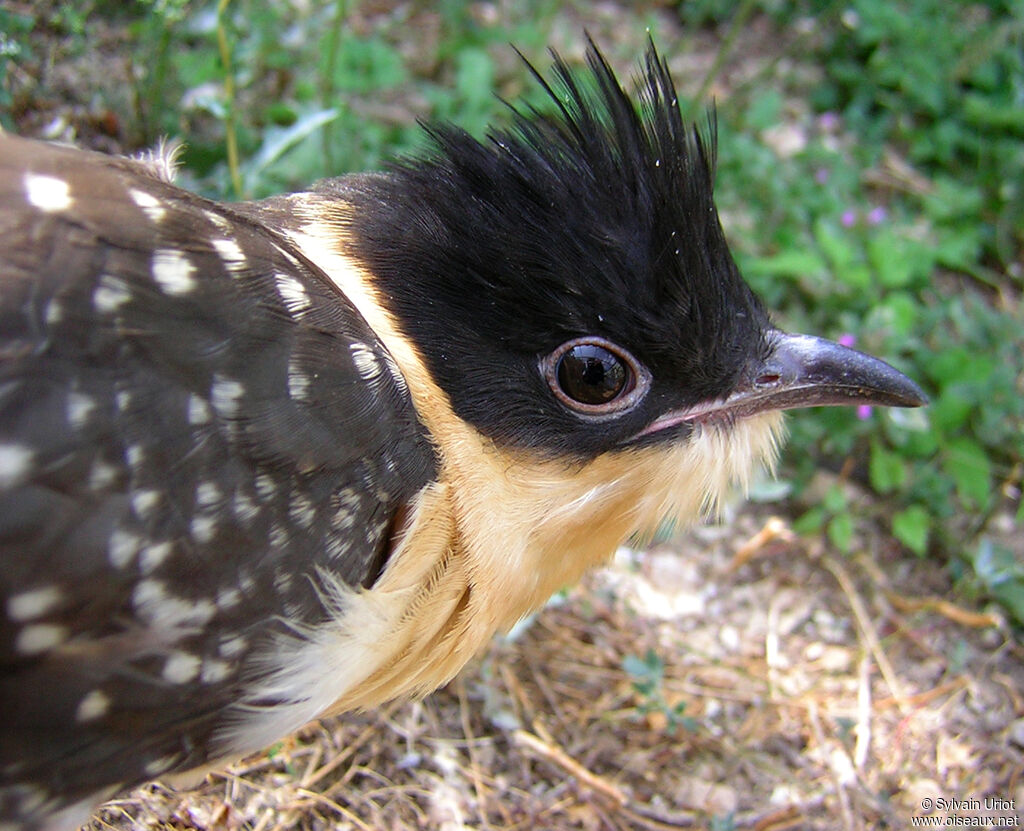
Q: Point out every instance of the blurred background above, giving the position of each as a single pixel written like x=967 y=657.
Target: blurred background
x=871 y=182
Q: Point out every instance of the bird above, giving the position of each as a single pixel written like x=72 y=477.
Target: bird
x=266 y=461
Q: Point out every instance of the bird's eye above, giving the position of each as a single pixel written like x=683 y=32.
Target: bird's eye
x=591 y=374
x=595 y=377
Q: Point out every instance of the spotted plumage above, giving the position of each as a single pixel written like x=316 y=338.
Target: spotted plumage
x=265 y=461
x=178 y=387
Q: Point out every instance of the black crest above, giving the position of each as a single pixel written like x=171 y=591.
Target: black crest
x=594 y=219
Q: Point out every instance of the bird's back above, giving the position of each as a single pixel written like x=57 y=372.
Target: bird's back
x=193 y=421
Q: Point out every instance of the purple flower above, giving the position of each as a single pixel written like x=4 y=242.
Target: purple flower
x=828 y=121
x=821 y=175
x=876 y=216
x=847 y=339
x=848 y=219
x=864 y=412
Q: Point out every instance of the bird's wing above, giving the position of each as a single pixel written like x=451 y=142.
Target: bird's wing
x=194 y=424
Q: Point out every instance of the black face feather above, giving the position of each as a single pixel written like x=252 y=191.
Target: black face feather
x=595 y=221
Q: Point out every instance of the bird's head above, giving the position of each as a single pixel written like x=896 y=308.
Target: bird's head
x=575 y=332
x=569 y=285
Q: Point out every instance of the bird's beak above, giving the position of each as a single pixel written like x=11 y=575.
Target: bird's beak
x=804 y=371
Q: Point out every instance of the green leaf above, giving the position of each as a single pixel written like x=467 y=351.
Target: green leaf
x=1011 y=595
x=839 y=249
x=1002 y=574
x=791 y=263
x=840 y=531
x=986 y=113
x=886 y=470
x=769 y=490
x=856 y=276
x=834 y=500
x=649 y=668
x=947 y=365
x=899 y=312
x=764 y=110
x=277 y=141
x=995 y=564
x=900 y=261
x=810 y=522
x=474 y=77
x=951 y=411
x=911 y=527
x=966 y=461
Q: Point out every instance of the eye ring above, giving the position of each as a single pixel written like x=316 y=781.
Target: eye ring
x=636 y=379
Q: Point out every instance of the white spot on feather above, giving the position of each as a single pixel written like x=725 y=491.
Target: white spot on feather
x=208 y=493
x=173 y=271
x=218 y=220
x=292 y=292
x=135 y=455
x=214 y=671
x=278 y=536
x=231 y=254
x=365 y=361
x=163 y=611
x=94 y=704
x=231 y=645
x=228 y=597
x=151 y=557
x=40 y=637
x=54 y=312
x=244 y=507
x=48 y=193
x=266 y=487
x=15 y=464
x=101 y=475
x=283 y=582
x=301 y=510
x=198 y=410
x=181 y=667
x=144 y=501
x=298 y=382
x=203 y=528
x=343 y=519
x=110 y=294
x=79 y=407
x=122 y=548
x=225 y=394
x=32 y=604
x=396 y=373
x=151 y=206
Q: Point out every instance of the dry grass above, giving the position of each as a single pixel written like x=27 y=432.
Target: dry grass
x=823 y=693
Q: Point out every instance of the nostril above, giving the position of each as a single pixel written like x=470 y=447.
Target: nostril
x=767 y=379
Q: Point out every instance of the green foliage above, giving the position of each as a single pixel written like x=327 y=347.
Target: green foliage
x=899 y=225
x=13 y=47
x=942 y=81
x=648 y=674
x=310 y=90
x=1002 y=575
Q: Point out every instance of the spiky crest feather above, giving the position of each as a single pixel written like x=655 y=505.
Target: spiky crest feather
x=597 y=219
